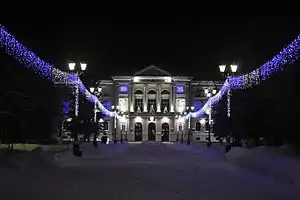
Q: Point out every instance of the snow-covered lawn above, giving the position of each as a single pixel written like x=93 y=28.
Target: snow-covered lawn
x=138 y=171
x=266 y=161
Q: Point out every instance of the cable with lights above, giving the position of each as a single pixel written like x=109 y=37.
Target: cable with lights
x=31 y=61
x=287 y=56
x=27 y=58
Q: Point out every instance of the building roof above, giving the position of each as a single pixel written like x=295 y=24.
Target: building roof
x=152 y=71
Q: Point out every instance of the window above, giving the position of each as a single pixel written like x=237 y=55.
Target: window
x=123 y=103
x=106 y=126
x=151 y=105
x=198 y=126
x=138 y=101
x=123 y=89
x=123 y=127
x=138 y=105
x=179 y=89
x=165 y=101
x=180 y=105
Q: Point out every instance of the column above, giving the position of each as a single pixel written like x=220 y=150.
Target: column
x=117 y=95
x=174 y=97
x=145 y=98
x=131 y=98
x=171 y=98
x=158 y=98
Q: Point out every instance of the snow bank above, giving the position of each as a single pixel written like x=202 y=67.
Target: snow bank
x=265 y=161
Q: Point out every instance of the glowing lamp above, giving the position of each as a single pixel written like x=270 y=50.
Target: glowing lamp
x=83 y=66
x=233 y=68
x=72 y=66
x=222 y=68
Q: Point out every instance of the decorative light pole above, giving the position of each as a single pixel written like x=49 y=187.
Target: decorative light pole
x=116 y=110
x=226 y=74
x=72 y=68
x=209 y=92
x=189 y=109
x=124 y=118
x=98 y=93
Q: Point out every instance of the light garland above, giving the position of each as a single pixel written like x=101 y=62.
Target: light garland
x=27 y=58
x=31 y=61
x=76 y=100
x=228 y=103
x=287 y=56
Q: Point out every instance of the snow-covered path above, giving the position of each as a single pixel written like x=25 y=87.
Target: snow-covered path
x=140 y=171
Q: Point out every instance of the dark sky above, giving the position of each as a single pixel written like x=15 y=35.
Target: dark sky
x=192 y=46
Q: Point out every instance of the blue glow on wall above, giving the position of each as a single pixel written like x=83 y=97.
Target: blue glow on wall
x=123 y=89
x=106 y=105
x=179 y=89
x=198 y=105
x=66 y=108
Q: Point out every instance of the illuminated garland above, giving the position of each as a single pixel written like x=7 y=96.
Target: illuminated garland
x=27 y=58
x=76 y=100
x=31 y=61
x=228 y=102
x=288 y=55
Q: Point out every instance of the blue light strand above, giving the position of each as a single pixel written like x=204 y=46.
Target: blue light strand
x=27 y=58
x=287 y=56
x=31 y=61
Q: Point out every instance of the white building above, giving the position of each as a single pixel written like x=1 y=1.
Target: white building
x=150 y=103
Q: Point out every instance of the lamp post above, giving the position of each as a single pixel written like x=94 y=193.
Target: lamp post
x=181 y=125
x=98 y=93
x=189 y=109
x=116 y=110
x=72 y=68
x=226 y=74
x=177 y=138
x=209 y=92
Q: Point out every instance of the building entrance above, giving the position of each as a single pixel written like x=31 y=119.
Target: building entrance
x=138 y=132
x=165 y=132
x=151 y=131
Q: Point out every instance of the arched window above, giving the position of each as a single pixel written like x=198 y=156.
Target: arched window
x=165 y=101
x=138 y=101
x=151 y=101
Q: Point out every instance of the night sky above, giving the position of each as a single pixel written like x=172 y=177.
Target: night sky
x=188 y=46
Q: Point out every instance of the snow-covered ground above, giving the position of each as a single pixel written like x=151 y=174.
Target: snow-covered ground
x=268 y=162
x=136 y=171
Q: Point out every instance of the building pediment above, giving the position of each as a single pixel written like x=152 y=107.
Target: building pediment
x=152 y=71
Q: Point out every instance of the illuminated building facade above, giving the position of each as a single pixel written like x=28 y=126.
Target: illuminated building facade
x=151 y=102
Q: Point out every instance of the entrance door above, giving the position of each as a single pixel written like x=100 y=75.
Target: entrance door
x=165 y=132
x=138 y=132
x=151 y=131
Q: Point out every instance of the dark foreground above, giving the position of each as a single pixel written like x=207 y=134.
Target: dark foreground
x=136 y=171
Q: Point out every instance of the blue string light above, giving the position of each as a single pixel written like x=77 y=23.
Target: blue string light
x=287 y=56
x=31 y=61
x=27 y=58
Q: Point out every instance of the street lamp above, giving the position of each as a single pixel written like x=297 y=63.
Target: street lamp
x=209 y=92
x=189 y=109
x=180 y=120
x=233 y=70
x=209 y=112
x=116 y=110
x=72 y=68
x=98 y=93
x=124 y=118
